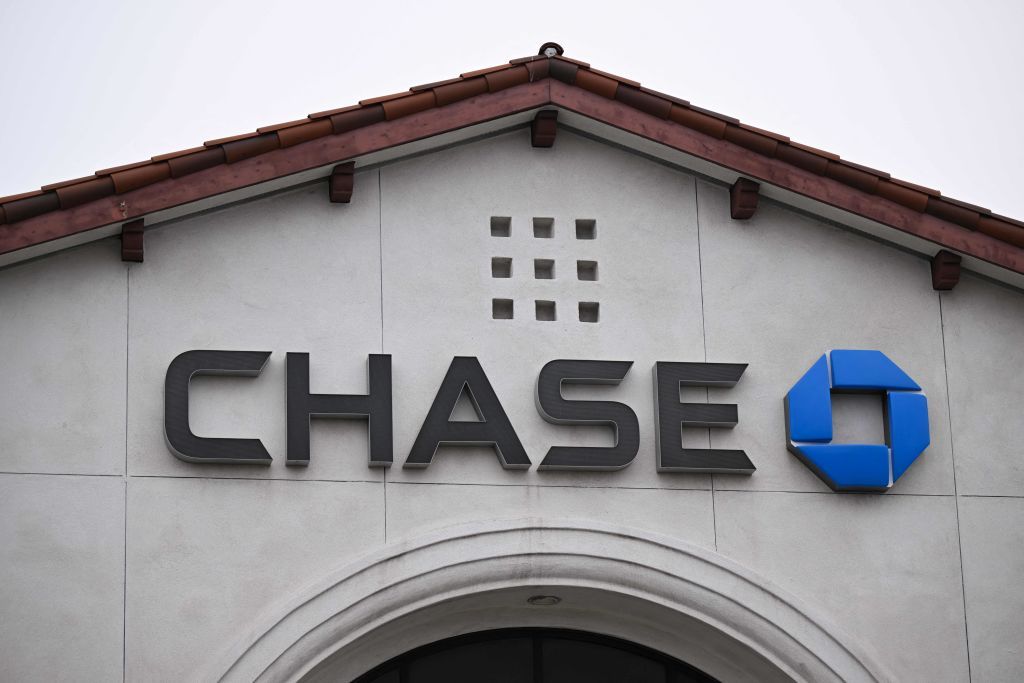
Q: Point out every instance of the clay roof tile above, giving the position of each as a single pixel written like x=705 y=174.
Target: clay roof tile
x=179 y=153
x=125 y=167
x=481 y=72
x=332 y=112
x=281 y=126
x=65 y=183
x=435 y=84
x=620 y=79
x=232 y=138
x=70 y=193
x=384 y=98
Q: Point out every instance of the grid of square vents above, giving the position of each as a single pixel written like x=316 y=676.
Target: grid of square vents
x=544 y=269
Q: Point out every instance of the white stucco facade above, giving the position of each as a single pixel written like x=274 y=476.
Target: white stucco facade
x=121 y=560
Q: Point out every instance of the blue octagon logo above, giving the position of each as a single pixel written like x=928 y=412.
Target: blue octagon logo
x=856 y=467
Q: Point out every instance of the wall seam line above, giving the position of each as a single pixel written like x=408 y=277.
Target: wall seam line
x=956 y=496
x=380 y=270
x=704 y=343
x=124 y=566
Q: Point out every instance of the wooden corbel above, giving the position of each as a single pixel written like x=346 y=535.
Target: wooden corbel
x=743 y=198
x=945 y=270
x=543 y=128
x=342 y=182
x=131 y=241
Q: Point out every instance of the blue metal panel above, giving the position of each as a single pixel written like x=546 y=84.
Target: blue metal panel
x=907 y=416
x=864 y=369
x=856 y=467
x=849 y=467
x=809 y=407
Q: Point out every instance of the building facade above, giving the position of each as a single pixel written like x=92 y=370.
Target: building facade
x=411 y=267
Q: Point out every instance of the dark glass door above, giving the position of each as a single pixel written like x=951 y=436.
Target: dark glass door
x=533 y=655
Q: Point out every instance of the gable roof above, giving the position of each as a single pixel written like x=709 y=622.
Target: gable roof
x=114 y=196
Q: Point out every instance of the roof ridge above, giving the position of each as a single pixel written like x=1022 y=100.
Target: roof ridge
x=550 y=62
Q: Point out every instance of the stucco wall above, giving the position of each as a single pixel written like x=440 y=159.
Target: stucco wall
x=119 y=557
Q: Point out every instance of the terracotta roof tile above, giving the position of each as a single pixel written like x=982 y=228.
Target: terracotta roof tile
x=814 y=150
x=919 y=188
x=232 y=138
x=304 y=132
x=693 y=118
x=249 y=147
x=596 y=83
x=844 y=173
x=767 y=133
x=193 y=163
x=866 y=169
x=332 y=112
x=762 y=144
x=524 y=60
x=1007 y=219
x=798 y=156
x=124 y=167
x=539 y=69
x=68 y=194
x=947 y=211
x=395 y=109
x=645 y=102
x=384 y=98
x=140 y=176
x=481 y=72
x=715 y=114
x=506 y=78
x=583 y=65
x=281 y=126
x=28 y=207
x=357 y=118
x=563 y=71
x=461 y=89
x=54 y=186
x=965 y=205
x=614 y=77
x=435 y=84
x=1001 y=229
x=670 y=98
x=179 y=153
x=22 y=195
x=901 y=194
x=85 y=192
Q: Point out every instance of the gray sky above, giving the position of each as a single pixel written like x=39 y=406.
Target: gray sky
x=929 y=91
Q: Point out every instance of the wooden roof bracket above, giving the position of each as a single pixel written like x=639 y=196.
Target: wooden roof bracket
x=342 y=182
x=132 y=240
x=743 y=198
x=945 y=270
x=543 y=128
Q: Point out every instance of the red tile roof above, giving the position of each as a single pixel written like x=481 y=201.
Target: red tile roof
x=26 y=219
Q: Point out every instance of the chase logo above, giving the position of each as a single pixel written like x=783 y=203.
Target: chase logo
x=856 y=467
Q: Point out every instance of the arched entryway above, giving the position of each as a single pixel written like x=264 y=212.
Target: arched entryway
x=534 y=655
x=687 y=603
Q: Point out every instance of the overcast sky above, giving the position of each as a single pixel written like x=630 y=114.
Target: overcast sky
x=930 y=91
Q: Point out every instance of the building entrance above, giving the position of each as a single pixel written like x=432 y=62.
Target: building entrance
x=534 y=655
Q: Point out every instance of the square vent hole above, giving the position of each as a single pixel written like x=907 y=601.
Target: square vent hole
x=586 y=229
x=544 y=269
x=589 y=311
x=501 y=266
x=545 y=310
x=501 y=309
x=501 y=226
x=586 y=270
x=544 y=228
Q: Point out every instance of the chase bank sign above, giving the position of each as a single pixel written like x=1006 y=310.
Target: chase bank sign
x=808 y=416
